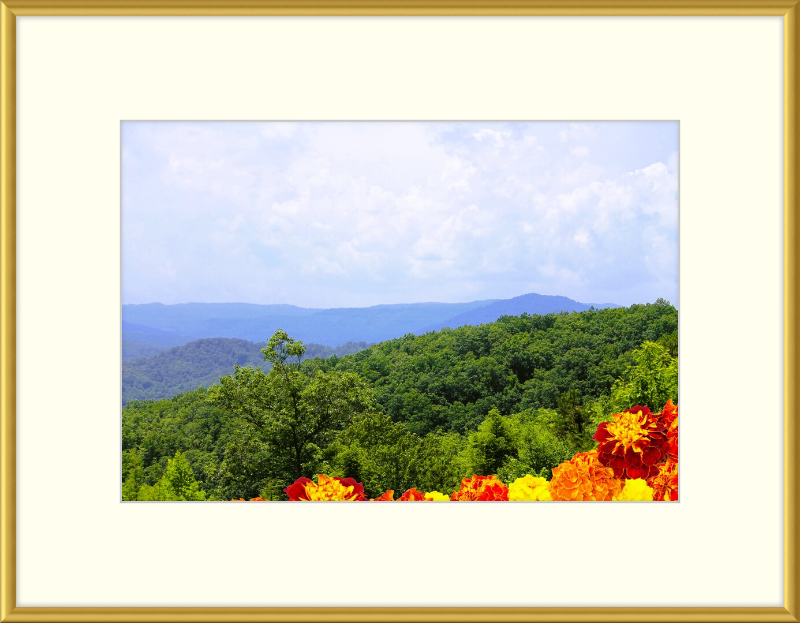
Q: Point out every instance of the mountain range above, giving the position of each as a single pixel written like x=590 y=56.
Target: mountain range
x=148 y=329
x=170 y=349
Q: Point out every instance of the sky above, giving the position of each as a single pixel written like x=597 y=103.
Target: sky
x=354 y=214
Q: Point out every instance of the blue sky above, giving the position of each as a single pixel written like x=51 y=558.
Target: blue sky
x=352 y=214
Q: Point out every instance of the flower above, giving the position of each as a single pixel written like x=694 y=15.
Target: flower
x=481 y=489
x=386 y=497
x=583 y=477
x=412 y=495
x=258 y=499
x=327 y=489
x=669 y=417
x=635 y=490
x=529 y=488
x=632 y=443
x=435 y=496
x=665 y=483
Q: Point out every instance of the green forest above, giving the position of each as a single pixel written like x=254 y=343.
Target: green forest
x=513 y=397
x=201 y=363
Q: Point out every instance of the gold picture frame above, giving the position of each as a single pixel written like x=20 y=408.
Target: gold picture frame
x=789 y=10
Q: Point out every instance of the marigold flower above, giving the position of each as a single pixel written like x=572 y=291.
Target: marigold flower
x=435 y=496
x=481 y=489
x=635 y=490
x=326 y=489
x=583 y=477
x=665 y=483
x=529 y=488
x=412 y=495
x=632 y=443
x=669 y=417
x=386 y=497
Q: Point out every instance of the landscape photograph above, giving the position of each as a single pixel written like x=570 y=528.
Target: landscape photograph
x=399 y=311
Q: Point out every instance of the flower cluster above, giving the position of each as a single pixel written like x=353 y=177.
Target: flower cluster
x=669 y=416
x=529 y=489
x=481 y=489
x=632 y=443
x=326 y=489
x=636 y=460
x=583 y=478
x=665 y=483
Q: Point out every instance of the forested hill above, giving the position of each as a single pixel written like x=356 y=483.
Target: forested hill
x=201 y=363
x=510 y=398
x=451 y=379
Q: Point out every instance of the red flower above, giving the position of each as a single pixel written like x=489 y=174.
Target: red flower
x=412 y=495
x=632 y=444
x=665 y=483
x=481 y=489
x=669 y=417
x=386 y=497
x=327 y=489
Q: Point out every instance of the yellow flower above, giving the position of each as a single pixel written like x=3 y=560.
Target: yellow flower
x=435 y=496
x=529 y=488
x=635 y=490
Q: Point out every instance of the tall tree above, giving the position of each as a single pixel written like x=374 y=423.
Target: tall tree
x=290 y=411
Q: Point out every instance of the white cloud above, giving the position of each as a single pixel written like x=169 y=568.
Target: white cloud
x=579 y=152
x=326 y=214
x=280 y=129
x=576 y=131
x=498 y=138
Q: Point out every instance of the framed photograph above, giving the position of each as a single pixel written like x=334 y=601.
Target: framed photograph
x=455 y=238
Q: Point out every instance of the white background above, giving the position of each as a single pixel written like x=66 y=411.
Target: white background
x=720 y=77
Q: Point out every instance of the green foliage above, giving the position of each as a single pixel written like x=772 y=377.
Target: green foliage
x=451 y=379
x=419 y=411
x=152 y=432
x=284 y=416
x=491 y=445
x=512 y=446
x=385 y=455
x=200 y=364
x=651 y=380
x=178 y=484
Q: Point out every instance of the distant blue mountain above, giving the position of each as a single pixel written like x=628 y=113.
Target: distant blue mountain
x=526 y=304
x=139 y=340
x=255 y=323
x=159 y=326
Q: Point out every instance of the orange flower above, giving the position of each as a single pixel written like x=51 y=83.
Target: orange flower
x=481 y=489
x=669 y=417
x=412 y=495
x=327 y=489
x=258 y=499
x=632 y=444
x=386 y=497
x=665 y=483
x=583 y=477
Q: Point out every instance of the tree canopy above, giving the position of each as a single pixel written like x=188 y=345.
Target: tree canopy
x=512 y=397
